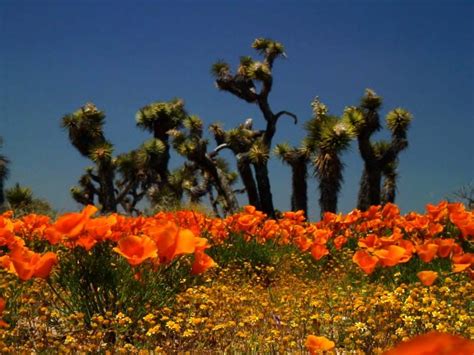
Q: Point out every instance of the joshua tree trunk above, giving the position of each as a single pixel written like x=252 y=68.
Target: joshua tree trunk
x=329 y=171
x=369 y=191
x=389 y=188
x=2 y=196
x=265 y=193
x=162 y=166
x=246 y=175
x=107 y=191
x=299 y=198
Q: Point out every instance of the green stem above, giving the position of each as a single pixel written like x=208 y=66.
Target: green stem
x=48 y=281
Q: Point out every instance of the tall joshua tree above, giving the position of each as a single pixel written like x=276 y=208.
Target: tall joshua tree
x=193 y=146
x=329 y=136
x=4 y=172
x=380 y=155
x=250 y=75
x=240 y=140
x=159 y=118
x=85 y=129
x=297 y=158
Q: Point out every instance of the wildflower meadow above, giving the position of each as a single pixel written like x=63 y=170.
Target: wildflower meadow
x=363 y=282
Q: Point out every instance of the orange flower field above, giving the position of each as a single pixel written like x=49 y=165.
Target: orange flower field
x=363 y=282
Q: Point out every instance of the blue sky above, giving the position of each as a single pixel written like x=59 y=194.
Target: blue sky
x=57 y=55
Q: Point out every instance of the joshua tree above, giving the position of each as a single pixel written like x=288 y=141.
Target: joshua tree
x=85 y=128
x=329 y=136
x=4 y=172
x=250 y=75
x=138 y=173
x=191 y=145
x=465 y=194
x=240 y=140
x=297 y=159
x=159 y=118
x=21 y=200
x=365 y=122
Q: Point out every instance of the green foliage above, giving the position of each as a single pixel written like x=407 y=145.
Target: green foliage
x=22 y=201
x=371 y=101
x=336 y=135
x=101 y=152
x=399 y=119
x=220 y=68
x=99 y=281
x=85 y=128
x=259 y=153
x=237 y=251
x=268 y=47
x=355 y=118
x=166 y=115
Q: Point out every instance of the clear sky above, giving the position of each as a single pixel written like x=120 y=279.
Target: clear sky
x=57 y=55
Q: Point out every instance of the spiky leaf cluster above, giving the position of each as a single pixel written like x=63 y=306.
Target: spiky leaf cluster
x=85 y=128
x=101 y=152
x=220 y=69
x=268 y=47
x=259 y=153
x=398 y=119
x=19 y=196
x=371 y=101
x=292 y=155
x=166 y=115
x=355 y=118
x=336 y=135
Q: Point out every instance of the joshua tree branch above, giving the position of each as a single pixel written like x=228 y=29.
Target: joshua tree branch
x=281 y=113
x=230 y=85
x=126 y=190
x=218 y=149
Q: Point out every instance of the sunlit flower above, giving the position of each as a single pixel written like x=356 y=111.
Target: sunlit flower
x=317 y=344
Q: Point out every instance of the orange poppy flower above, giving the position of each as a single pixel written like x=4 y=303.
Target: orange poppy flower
x=86 y=241
x=365 y=261
x=321 y=236
x=427 y=251
x=427 y=278
x=100 y=227
x=316 y=344
x=434 y=343
x=136 y=249
x=391 y=255
x=437 y=212
x=52 y=235
x=72 y=224
x=28 y=264
x=464 y=220
x=318 y=251
x=6 y=230
x=390 y=211
x=201 y=263
x=370 y=242
x=339 y=242
x=394 y=237
x=445 y=247
x=172 y=241
x=434 y=229
x=462 y=262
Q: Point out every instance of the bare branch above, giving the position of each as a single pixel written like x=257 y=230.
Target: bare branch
x=218 y=149
x=281 y=113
